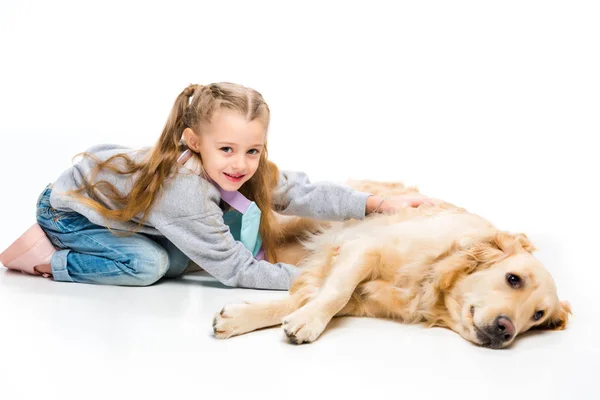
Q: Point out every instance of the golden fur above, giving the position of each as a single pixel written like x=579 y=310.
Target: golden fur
x=439 y=265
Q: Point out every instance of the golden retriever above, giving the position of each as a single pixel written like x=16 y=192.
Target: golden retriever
x=435 y=264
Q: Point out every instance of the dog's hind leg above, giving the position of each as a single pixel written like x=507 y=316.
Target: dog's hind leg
x=350 y=268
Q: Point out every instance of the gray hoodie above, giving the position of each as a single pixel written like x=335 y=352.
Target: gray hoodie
x=187 y=213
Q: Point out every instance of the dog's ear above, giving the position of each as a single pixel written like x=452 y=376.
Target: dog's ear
x=559 y=319
x=525 y=242
x=511 y=243
x=492 y=249
x=464 y=258
x=480 y=253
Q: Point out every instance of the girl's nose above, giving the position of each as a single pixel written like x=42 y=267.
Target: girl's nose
x=239 y=164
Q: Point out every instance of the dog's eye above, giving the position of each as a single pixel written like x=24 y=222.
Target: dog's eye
x=513 y=280
x=538 y=315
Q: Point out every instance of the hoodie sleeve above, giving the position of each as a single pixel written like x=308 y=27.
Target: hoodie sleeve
x=296 y=195
x=207 y=241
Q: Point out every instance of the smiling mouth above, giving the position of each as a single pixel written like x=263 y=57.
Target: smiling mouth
x=233 y=177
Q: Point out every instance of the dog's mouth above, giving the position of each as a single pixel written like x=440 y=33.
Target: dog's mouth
x=483 y=338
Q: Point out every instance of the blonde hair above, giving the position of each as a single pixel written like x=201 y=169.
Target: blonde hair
x=195 y=105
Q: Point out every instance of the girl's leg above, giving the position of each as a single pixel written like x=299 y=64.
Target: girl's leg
x=90 y=253
x=178 y=261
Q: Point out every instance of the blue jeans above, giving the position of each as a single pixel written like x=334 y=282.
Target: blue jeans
x=90 y=253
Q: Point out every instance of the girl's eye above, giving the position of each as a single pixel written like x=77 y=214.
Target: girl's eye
x=538 y=315
x=226 y=149
x=253 y=152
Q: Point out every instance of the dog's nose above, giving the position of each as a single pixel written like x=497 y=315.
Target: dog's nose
x=503 y=329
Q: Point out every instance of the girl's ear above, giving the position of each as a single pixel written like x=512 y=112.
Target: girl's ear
x=191 y=140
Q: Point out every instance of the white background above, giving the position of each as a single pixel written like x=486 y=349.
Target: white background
x=493 y=106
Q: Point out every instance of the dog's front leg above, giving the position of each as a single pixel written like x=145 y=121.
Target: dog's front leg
x=237 y=319
x=349 y=269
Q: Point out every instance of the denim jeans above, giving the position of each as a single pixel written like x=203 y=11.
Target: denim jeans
x=91 y=253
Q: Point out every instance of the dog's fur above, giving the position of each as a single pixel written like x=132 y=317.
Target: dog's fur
x=439 y=265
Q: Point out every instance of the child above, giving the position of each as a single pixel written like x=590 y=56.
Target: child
x=130 y=217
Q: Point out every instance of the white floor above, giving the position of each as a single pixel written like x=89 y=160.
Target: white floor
x=68 y=341
x=491 y=106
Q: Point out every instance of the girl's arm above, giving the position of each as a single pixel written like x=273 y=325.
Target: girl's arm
x=296 y=195
x=206 y=240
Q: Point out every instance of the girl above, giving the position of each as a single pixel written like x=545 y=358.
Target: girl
x=130 y=217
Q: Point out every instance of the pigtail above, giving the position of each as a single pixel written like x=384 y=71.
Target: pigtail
x=151 y=173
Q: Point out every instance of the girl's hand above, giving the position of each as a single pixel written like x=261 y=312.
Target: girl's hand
x=389 y=205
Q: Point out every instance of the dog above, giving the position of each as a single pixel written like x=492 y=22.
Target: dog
x=436 y=264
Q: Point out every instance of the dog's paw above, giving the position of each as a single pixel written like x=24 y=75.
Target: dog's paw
x=232 y=320
x=303 y=326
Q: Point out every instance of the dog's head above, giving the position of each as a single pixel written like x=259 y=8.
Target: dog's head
x=496 y=289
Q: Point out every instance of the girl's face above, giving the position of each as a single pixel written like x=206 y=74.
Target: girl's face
x=230 y=147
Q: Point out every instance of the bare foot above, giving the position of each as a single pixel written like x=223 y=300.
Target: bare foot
x=44 y=269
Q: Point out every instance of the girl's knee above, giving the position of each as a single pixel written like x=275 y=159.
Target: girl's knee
x=151 y=268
